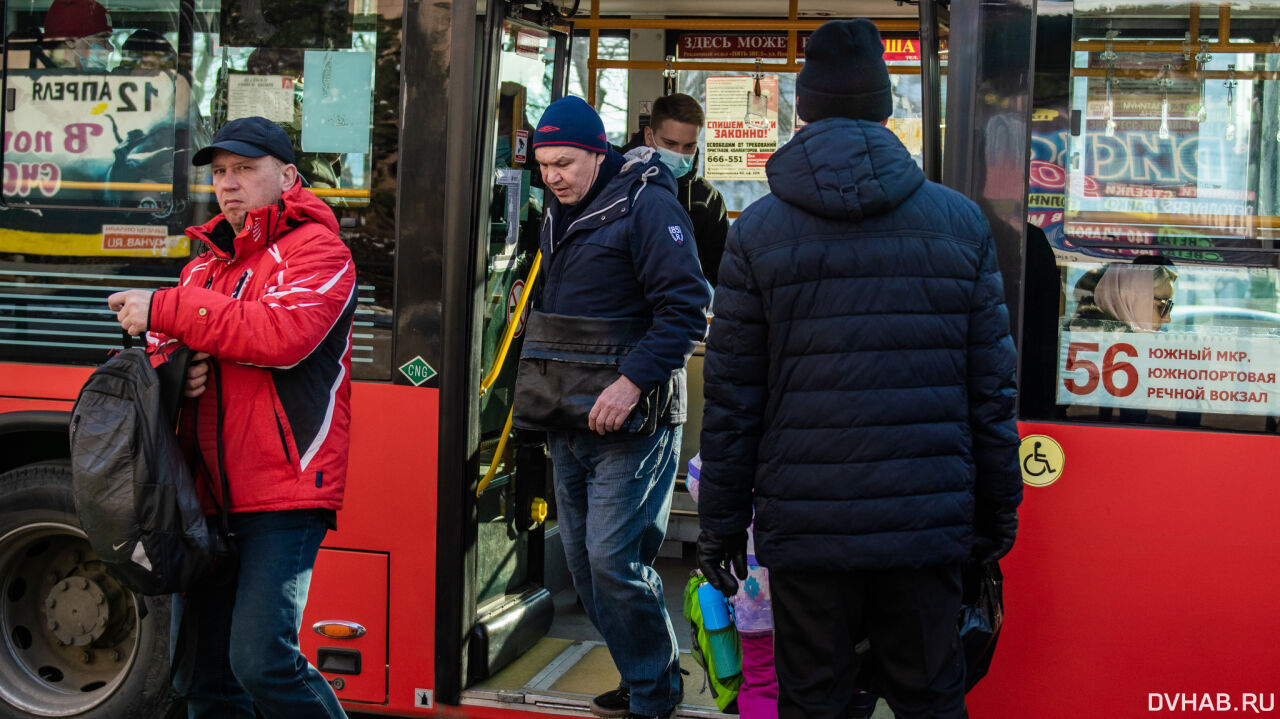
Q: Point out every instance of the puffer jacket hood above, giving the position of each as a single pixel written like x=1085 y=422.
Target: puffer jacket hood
x=706 y=209
x=844 y=169
x=642 y=166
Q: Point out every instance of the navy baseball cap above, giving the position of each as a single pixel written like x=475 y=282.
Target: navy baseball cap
x=251 y=137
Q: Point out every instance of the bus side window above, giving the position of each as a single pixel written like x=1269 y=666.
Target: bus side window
x=82 y=129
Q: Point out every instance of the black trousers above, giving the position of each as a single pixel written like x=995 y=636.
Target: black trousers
x=909 y=615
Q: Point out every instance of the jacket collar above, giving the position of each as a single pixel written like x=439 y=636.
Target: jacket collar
x=266 y=224
x=642 y=169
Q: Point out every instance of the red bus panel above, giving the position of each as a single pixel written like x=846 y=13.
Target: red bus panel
x=350 y=586
x=1143 y=579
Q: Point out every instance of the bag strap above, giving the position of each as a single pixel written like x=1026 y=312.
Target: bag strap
x=172 y=376
x=223 y=506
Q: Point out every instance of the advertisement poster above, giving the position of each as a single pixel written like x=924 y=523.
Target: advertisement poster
x=1193 y=372
x=1047 y=179
x=90 y=140
x=1146 y=155
x=899 y=48
x=1129 y=162
x=742 y=127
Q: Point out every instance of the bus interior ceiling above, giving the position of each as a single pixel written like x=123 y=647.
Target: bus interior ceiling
x=809 y=9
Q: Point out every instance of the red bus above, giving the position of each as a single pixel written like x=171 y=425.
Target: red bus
x=1092 y=134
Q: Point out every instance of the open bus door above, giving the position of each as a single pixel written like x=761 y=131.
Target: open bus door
x=509 y=634
x=507 y=607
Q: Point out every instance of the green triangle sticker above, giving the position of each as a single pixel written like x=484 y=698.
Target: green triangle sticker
x=417 y=371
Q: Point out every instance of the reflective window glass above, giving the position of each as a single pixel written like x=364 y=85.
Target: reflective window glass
x=1154 y=183
x=106 y=101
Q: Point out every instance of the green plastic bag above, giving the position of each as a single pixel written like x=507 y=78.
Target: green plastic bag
x=724 y=689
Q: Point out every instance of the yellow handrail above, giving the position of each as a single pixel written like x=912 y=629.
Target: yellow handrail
x=497 y=453
x=510 y=333
x=492 y=376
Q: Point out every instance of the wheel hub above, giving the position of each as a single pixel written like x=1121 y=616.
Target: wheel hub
x=77 y=611
x=69 y=633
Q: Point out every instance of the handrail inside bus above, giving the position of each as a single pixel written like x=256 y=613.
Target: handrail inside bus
x=498 y=453
x=510 y=332
x=499 y=359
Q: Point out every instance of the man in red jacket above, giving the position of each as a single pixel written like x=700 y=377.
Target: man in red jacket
x=270 y=299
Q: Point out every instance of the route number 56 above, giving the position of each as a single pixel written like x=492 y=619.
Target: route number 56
x=1107 y=374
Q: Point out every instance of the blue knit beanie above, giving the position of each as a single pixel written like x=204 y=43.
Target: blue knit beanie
x=844 y=73
x=571 y=121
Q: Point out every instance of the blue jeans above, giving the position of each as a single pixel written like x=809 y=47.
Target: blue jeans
x=613 y=496
x=244 y=648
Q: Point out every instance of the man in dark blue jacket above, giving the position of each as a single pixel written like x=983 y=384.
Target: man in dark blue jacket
x=860 y=394
x=619 y=257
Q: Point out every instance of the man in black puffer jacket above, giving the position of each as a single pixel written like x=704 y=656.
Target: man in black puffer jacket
x=860 y=386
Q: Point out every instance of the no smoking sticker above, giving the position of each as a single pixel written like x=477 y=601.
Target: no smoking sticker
x=513 y=299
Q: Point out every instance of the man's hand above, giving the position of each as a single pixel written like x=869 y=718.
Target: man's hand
x=717 y=554
x=613 y=405
x=133 y=309
x=197 y=375
x=995 y=528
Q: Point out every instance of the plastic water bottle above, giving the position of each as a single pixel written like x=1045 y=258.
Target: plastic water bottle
x=722 y=642
x=715 y=610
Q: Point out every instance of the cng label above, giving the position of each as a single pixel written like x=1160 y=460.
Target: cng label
x=417 y=371
x=1042 y=460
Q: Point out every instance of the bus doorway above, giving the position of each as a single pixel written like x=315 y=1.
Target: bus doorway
x=526 y=642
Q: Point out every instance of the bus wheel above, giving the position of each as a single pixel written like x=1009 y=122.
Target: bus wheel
x=72 y=639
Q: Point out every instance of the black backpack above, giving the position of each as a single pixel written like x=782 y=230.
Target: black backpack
x=134 y=491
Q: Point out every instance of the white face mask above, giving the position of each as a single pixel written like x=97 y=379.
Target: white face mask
x=678 y=162
x=96 y=61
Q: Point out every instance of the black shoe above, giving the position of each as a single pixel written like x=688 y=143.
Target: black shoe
x=613 y=703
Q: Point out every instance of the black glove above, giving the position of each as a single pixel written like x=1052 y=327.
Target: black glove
x=716 y=554
x=994 y=531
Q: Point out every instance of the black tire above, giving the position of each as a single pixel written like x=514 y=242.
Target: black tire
x=117 y=669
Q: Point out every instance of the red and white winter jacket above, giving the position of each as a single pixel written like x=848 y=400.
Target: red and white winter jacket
x=277 y=316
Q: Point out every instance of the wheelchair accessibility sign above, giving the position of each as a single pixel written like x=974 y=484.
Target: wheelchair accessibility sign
x=1042 y=460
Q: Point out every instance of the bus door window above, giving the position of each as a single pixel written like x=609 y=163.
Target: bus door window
x=1155 y=182
x=526 y=69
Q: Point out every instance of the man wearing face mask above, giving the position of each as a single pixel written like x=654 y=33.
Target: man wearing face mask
x=77 y=35
x=673 y=131
x=617 y=311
